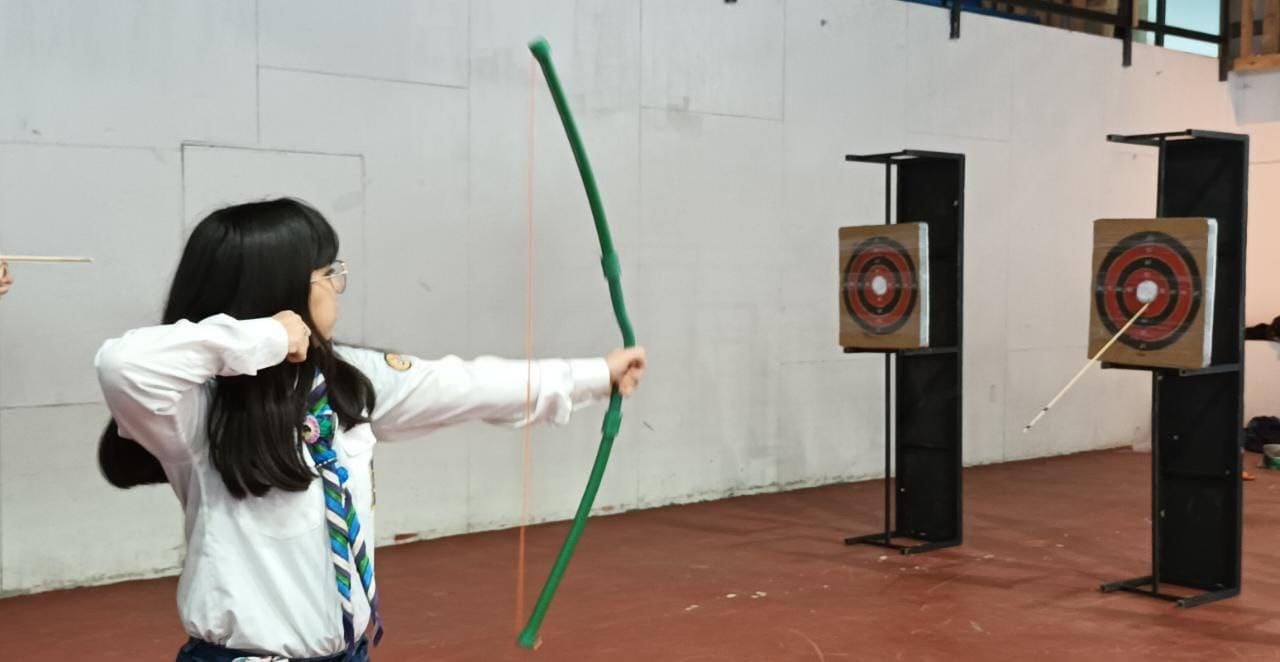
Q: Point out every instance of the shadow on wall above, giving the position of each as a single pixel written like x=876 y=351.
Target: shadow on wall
x=1255 y=96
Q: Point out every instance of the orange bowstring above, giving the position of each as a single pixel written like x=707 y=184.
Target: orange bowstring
x=528 y=349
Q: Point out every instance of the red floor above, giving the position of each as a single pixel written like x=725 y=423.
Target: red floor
x=766 y=578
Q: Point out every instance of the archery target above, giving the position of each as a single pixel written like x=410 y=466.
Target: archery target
x=884 y=286
x=1167 y=264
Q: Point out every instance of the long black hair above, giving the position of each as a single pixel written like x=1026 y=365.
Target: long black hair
x=252 y=261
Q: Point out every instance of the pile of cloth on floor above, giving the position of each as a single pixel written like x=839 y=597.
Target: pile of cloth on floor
x=1262 y=435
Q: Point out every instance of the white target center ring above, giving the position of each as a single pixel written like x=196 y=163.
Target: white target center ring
x=1147 y=291
x=879 y=285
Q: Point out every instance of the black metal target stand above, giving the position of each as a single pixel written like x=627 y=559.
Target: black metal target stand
x=1196 y=415
x=928 y=393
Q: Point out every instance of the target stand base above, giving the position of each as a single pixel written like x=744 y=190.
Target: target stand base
x=886 y=540
x=1147 y=586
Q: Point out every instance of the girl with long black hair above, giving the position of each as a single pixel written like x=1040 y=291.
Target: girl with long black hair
x=265 y=430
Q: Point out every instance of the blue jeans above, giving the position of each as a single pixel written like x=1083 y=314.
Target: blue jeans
x=196 y=650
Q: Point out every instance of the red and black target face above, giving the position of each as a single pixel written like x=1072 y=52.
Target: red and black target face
x=1155 y=265
x=880 y=285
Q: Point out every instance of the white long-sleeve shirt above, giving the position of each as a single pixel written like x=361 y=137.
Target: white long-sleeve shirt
x=257 y=574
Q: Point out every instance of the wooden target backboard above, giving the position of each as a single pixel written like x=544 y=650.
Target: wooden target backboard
x=1167 y=262
x=884 y=286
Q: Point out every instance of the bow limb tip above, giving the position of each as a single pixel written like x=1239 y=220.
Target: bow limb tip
x=540 y=48
x=529 y=640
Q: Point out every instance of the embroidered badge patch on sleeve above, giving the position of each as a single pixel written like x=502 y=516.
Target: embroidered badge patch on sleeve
x=398 y=362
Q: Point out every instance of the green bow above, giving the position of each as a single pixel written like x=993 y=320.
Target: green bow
x=612 y=273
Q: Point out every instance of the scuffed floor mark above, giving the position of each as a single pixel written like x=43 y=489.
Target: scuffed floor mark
x=816 y=649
